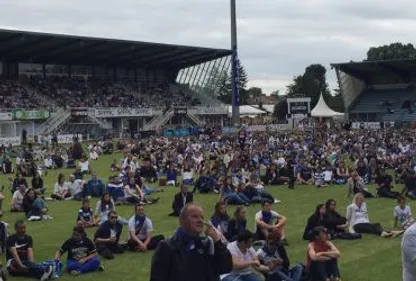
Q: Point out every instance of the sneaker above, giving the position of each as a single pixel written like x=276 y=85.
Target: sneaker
x=46 y=274
x=277 y=201
x=75 y=273
x=101 y=268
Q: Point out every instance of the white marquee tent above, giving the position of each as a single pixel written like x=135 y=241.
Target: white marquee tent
x=247 y=110
x=321 y=109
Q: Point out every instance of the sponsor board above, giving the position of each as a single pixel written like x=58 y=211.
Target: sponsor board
x=123 y=112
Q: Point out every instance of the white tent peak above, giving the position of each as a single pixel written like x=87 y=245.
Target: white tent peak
x=321 y=109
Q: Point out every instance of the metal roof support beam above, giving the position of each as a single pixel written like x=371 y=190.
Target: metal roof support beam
x=353 y=72
x=201 y=59
x=59 y=51
x=152 y=56
x=405 y=75
x=91 y=50
x=12 y=50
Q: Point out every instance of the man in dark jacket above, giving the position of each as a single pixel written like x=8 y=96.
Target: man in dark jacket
x=187 y=256
x=181 y=199
x=107 y=237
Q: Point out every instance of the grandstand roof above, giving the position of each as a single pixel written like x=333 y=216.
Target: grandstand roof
x=401 y=67
x=24 y=46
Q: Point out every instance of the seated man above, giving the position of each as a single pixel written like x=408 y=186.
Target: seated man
x=181 y=199
x=304 y=174
x=384 y=186
x=82 y=253
x=268 y=221
x=140 y=232
x=274 y=256
x=19 y=256
x=77 y=188
x=107 y=237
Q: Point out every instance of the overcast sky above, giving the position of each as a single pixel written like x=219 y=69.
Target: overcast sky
x=277 y=38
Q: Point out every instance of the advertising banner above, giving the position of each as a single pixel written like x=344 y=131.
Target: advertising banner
x=6 y=116
x=79 y=112
x=123 y=112
x=14 y=141
x=298 y=108
x=31 y=114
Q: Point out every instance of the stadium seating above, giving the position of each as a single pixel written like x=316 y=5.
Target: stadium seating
x=78 y=92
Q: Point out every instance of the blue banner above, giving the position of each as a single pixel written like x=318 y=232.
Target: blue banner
x=229 y=130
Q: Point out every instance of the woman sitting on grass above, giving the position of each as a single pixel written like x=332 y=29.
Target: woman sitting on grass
x=358 y=221
x=105 y=205
x=61 y=191
x=317 y=219
x=34 y=207
x=322 y=257
x=238 y=224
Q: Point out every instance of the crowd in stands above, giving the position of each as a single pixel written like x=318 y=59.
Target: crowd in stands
x=240 y=169
x=93 y=92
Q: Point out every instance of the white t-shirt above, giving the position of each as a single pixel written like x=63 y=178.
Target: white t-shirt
x=76 y=187
x=409 y=254
x=103 y=212
x=259 y=215
x=18 y=197
x=356 y=215
x=250 y=255
x=327 y=176
x=84 y=166
x=146 y=227
x=59 y=189
x=402 y=215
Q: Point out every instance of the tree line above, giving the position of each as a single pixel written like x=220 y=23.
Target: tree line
x=311 y=83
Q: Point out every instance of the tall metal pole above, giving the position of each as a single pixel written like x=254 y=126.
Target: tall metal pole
x=236 y=95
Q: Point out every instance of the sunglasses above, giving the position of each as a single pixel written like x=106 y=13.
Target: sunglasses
x=113 y=217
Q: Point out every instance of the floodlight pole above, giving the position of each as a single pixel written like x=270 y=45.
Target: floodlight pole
x=236 y=96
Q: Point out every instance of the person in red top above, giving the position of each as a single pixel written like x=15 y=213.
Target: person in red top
x=322 y=257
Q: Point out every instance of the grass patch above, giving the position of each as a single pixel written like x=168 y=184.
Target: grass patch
x=371 y=258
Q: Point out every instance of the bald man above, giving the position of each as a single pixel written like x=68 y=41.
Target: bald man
x=187 y=256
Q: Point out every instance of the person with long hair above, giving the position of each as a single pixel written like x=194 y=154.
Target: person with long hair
x=359 y=222
x=34 y=207
x=322 y=257
x=61 y=190
x=229 y=195
x=37 y=184
x=82 y=253
x=336 y=224
x=105 y=205
x=317 y=219
x=238 y=224
x=220 y=219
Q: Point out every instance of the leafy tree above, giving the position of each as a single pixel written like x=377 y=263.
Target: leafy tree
x=311 y=84
x=280 y=109
x=226 y=86
x=334 y=100
x=255 y=92
x=393 y=51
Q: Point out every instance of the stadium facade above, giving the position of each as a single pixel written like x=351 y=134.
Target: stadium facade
x=44 y=67
x=378 y=91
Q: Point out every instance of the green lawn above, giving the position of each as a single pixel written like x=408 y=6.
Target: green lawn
x=371 y=258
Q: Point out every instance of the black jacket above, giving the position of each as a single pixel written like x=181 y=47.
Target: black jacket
x=332 y=219
x=104 y=231
x=313 y=221
x=177 y=204
x=170 y=263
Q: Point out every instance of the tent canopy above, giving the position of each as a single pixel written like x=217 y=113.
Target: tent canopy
x=321 y=109
x=247 y=110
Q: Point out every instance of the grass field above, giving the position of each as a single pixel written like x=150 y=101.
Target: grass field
x=371 y=258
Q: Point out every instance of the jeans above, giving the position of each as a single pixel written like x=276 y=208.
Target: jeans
x=34 y=270
x=90 y=266
x=238 y=277
x=115 y=193
x=321 y=271
x=294 y=274
x=148 y=190
x=236 y=199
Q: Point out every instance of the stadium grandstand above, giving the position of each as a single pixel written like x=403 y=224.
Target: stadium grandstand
x=59 y=83
x=378 y=91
